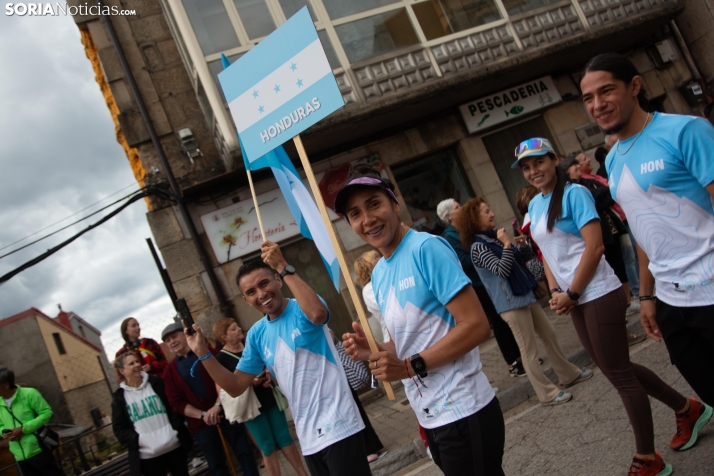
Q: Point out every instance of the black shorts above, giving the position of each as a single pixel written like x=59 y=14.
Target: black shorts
x=472 y=445
x=346 y=457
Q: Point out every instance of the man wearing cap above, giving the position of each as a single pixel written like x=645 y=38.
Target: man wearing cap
x=192 y=393
x=436 y=323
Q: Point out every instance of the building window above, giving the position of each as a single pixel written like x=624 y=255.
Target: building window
x=427 y=181
x=343 y=8
x=514 y=7
x=255 y=16
x=212 y=25
x=439 y=18
x=376 y=35
x=58 y=342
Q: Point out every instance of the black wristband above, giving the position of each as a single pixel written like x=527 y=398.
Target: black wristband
x=646 y=298
x=555 y=290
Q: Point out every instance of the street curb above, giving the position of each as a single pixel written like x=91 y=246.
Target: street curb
x=399 y=458
x=510 y=398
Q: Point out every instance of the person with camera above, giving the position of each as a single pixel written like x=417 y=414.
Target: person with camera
x=23 y=413
x=147 y=350
x=191 y=392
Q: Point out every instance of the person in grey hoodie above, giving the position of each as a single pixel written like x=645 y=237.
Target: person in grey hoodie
x=143 y=421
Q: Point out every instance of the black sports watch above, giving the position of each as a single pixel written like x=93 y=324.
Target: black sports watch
x=572 y=295
x=418 y=365
x=287 y=270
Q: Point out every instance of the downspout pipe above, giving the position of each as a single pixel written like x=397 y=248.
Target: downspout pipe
x=685 y=50
x=223 y=302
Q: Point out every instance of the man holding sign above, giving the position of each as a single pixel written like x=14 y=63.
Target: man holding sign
x=293 y=341
x=435 y=322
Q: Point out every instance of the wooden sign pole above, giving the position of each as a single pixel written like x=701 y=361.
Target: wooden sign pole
x=338 y=251
x=255 y=202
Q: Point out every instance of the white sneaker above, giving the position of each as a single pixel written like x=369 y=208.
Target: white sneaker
x=634 y=306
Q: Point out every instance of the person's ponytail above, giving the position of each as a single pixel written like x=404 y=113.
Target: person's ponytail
x=555 y=208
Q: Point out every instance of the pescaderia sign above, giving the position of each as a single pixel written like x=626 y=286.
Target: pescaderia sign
x=509 y=104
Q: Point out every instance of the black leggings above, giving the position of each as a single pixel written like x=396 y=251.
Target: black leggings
x=600 y=324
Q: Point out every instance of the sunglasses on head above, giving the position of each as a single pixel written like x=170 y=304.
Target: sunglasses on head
x=532 y=144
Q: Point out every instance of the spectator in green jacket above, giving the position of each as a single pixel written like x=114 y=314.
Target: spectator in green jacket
x=22 y=412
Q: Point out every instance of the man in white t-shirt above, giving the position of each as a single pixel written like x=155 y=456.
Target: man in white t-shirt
x=294 y=342
x=436 y=323
x=661 y=173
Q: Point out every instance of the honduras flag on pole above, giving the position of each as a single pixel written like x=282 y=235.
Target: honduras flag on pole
x=301 y=204
x=299 y=201
x=280 y=87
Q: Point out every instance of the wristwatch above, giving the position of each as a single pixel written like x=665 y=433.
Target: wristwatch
x=572 y=295
x=287 y=270
x=418 y=365
x=203 y=415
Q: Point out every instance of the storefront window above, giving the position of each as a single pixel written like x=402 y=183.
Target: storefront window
x=211 y=24
x=426 y=182
x=342 y=8
x=514 y=7
x=255 y=17
x=439 y=18
x=376 y=35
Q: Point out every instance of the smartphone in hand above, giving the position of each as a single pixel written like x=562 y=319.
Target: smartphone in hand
x=516 y=228
x=186 y=317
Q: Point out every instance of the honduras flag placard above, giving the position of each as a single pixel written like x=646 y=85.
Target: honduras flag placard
x=301 y=205
x=281 y=87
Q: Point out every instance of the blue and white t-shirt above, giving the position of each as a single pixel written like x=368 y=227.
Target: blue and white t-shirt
x=660 y=184
x=563 y=247
x=412 y=288
x=306 y=365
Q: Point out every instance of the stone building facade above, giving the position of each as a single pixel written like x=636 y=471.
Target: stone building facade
x=65 y=367
x=409 y=72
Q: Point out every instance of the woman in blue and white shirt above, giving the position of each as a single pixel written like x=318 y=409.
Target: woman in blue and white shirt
x=565 y=224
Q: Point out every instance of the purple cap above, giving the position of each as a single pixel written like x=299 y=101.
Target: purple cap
x=365 y=181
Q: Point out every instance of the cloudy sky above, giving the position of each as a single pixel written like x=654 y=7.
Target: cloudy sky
x=58 y=155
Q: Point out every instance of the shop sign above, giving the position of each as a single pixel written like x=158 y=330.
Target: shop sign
x=233 y=231
x=509 y=104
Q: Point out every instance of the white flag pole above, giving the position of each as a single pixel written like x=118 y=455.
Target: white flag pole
x=338 y=251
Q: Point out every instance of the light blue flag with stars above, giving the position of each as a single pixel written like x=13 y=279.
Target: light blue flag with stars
x=300 y=202
x=280 y=87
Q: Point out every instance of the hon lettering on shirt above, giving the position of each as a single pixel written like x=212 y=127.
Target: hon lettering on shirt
x=651 y=166
x=406 y=283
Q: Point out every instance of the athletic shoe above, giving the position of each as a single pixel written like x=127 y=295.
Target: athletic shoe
x=655 y=467
x=689 y=424
x=585 y=374
x=562 y=397
x=634 y=307
x=633 y=339
x=516 y=369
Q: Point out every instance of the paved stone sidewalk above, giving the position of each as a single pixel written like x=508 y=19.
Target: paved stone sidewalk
x=591 y=435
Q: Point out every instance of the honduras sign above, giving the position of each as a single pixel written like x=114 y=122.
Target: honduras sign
x=281 y=87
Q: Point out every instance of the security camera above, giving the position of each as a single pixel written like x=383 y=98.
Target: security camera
x=189 y=143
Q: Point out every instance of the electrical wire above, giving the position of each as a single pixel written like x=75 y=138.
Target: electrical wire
x=70 y=216
x=138 y=196
x=65 y=227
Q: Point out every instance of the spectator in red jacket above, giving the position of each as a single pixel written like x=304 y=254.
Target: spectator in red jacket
x=149 y=352
x=192 y=393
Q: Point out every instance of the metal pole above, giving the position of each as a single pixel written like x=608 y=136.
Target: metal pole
x=164 y=275
x=224 y=304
